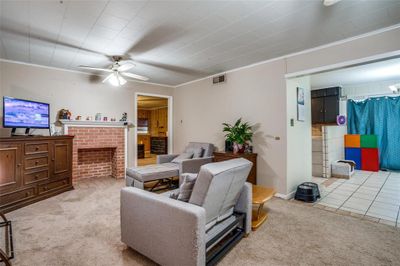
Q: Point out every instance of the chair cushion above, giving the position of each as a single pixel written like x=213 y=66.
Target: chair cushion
x=218 y=187
x=182 y=156
x=186 y=187
x=153 y=171
x=197 y=152
x=208 y=148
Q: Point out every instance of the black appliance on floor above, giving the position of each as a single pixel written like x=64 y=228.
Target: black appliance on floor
x=307 y=192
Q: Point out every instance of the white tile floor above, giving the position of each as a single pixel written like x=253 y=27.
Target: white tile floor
x=373 y=194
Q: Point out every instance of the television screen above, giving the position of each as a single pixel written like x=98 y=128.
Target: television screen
x=19 y=113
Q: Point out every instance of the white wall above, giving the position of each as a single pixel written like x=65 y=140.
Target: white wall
x=299 y=145
x=75 y=91
x=258 y=94
x=362 y=91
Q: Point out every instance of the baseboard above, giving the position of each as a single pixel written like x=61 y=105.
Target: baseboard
x=285 y=196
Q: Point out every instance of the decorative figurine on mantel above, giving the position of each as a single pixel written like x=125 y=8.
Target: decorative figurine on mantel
x=124 y=117
x=64 y=114
x=98 y=117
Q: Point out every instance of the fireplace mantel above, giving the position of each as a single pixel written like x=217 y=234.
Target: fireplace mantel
x=66 y=122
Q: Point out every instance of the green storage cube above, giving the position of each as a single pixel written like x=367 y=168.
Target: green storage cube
x=369 y=141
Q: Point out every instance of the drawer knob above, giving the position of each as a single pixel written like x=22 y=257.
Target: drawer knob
x=37 y=148
x=37 y=162
x=27 y=194
x=36 y=176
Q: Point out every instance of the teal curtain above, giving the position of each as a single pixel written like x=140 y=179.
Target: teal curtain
x=379 y=116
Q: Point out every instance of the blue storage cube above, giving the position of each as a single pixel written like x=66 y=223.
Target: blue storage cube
x=353 y=154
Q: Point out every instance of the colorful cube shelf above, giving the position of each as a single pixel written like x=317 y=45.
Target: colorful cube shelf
x=363 y=150
x=370 y=159
x=352 y=141
x=354 y=154
x=369 y=141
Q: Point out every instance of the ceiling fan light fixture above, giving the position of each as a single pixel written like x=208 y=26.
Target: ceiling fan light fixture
x=330 y=2
x=116 y=80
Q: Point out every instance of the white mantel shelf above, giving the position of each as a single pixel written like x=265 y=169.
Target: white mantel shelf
x=90 y=123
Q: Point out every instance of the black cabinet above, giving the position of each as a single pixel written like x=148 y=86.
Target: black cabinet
x=159 y=145
x=325 y=105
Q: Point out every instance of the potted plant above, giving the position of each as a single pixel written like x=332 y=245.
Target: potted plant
x=238 y=134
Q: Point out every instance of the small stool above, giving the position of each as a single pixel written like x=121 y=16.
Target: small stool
x=260 y=196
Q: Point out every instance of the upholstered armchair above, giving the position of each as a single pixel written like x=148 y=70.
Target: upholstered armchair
x=205 y=155
x=174 y=232
x=171 y=165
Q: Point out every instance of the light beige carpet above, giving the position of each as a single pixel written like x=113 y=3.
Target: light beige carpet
x=81 y=227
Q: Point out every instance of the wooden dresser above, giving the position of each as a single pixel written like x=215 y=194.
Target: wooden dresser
x=33 y=168
x=223 y=156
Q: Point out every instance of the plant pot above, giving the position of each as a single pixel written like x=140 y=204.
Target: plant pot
x=238 y=148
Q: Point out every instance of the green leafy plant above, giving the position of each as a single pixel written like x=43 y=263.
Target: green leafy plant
x=239 y=133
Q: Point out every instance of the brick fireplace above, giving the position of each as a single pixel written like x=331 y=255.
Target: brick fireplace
x=99 y=148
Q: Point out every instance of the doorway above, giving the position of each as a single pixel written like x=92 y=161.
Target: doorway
x=153 y=131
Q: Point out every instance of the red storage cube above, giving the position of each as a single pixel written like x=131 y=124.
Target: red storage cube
x=370 y=159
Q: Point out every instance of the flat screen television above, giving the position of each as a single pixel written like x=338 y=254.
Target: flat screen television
x=18 y=113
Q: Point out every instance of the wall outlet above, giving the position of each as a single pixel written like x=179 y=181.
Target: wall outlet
x=292 y=122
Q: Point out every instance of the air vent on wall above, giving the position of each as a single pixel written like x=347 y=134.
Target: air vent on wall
x=219 y=79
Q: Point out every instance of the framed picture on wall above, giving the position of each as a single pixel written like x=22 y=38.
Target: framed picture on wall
x=300 y=104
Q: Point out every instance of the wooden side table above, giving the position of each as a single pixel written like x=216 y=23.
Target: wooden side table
x=260 y=196
x=223 y=156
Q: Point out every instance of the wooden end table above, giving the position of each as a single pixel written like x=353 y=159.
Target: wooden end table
x=260 y=196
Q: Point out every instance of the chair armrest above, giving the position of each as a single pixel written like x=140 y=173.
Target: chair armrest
x=244 y=204
x=168 y=231
x=166 y=158
x=193 y=165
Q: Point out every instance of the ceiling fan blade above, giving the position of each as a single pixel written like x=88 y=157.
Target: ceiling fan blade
x=125 y=67
x=135 y=76
x=107 y=78
x=96 y=68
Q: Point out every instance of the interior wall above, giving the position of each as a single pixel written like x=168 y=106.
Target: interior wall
x=354 y=49
x=82 y=94
x=363 y=90
x=299 y=149
x=257 y=95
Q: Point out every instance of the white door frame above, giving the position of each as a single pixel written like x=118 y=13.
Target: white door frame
x=170 y=121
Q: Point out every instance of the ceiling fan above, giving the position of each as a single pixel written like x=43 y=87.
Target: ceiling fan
x=117 y=72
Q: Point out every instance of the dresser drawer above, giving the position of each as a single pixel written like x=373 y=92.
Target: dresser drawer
x=37 y=162
x=53 y=185
x=36 y=176
x=14 y=197
x=35 y=148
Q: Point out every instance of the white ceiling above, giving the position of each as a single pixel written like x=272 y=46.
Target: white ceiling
x=179 y=41
x=374 y=72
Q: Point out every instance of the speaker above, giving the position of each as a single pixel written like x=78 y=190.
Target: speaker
x=228 y=146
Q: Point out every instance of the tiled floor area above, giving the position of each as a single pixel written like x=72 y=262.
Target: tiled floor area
x=374 y=195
